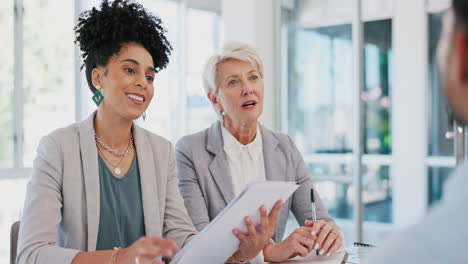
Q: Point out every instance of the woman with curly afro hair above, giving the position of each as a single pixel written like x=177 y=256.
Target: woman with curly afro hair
x=105 y=190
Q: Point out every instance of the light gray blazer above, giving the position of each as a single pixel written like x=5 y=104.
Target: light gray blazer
x=205 y=179
x=61 y=212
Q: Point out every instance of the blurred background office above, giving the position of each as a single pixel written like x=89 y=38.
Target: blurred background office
x=377 y=167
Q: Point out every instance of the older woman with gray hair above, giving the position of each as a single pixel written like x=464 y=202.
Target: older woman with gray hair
x=215 y=164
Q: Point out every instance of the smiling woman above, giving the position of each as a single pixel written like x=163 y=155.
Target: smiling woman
x=94 y=184
x=126 y=83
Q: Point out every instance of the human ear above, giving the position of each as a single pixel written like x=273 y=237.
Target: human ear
x=96 y=77
x=214 y=100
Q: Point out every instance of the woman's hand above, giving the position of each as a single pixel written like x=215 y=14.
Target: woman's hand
x=254 y=241
x=146 y=250
x=300 y=242
x=329 y=237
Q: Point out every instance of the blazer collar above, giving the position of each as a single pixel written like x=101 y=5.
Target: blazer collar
x=149 y=187
x=219 y=166
x=89 y=159
x=214 y=142
x=274 y=164
x=274 y=158
x=147 y=172
x=215 y=138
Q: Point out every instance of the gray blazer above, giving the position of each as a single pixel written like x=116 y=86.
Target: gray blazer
x=205 y=179
x=61 y=211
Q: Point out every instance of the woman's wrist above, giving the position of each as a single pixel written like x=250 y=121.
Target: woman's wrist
x=235 y=259
x=268 y=252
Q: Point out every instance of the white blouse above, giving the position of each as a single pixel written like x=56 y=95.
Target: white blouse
x=246 y=165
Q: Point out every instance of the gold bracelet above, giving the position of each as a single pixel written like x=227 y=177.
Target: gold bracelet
x=114 y=255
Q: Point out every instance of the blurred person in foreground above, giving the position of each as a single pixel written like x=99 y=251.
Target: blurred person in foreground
x=442 y=237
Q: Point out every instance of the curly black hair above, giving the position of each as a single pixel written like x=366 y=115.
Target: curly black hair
x=100 y=34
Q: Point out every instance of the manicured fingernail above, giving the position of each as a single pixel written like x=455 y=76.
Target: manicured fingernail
x=321 y=252
x=328 y=254
x=316 y=246
x=313 y=233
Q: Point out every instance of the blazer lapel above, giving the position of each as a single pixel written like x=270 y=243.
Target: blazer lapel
x=149 y=194
x=275 y=168
x=275 y=163
x=219 y=166
x=89 y=159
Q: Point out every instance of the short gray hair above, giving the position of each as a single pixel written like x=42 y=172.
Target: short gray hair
x=231 y=50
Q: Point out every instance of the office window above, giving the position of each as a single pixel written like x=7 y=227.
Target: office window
x=320 y=89
x=437 y=177
x=318 y=81
x=321 y=102
x=164 y=113
x=377 y=193
x=49 y=92
x=377 y=86
x=13 y=190
x=11 y=200
x=320 y=94
x=179 y=105
x=6 y=84
x=440 y=134
x=334 y=184
x=203 y=29
x=440 y=128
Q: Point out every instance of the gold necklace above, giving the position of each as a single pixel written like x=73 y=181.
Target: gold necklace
x=117 y=169
x=111 y=150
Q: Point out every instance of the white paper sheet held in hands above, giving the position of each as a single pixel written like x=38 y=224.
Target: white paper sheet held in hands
x=216 y=242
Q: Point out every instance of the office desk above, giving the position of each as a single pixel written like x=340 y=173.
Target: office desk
x=312 y=258
x=354 y=256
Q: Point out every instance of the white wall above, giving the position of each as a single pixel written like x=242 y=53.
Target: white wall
x=254 y=22
x=409 y=111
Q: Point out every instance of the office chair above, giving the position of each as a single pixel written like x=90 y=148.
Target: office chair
x=14 y=241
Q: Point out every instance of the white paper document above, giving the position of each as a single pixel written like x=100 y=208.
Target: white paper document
x=216 y=242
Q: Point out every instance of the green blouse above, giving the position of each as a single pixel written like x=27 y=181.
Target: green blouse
x=121 y=220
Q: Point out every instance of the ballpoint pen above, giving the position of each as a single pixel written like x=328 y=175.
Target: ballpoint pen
x=314 y=212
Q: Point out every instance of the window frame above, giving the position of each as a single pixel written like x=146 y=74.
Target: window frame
x=80 y=89
x=357 y=158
